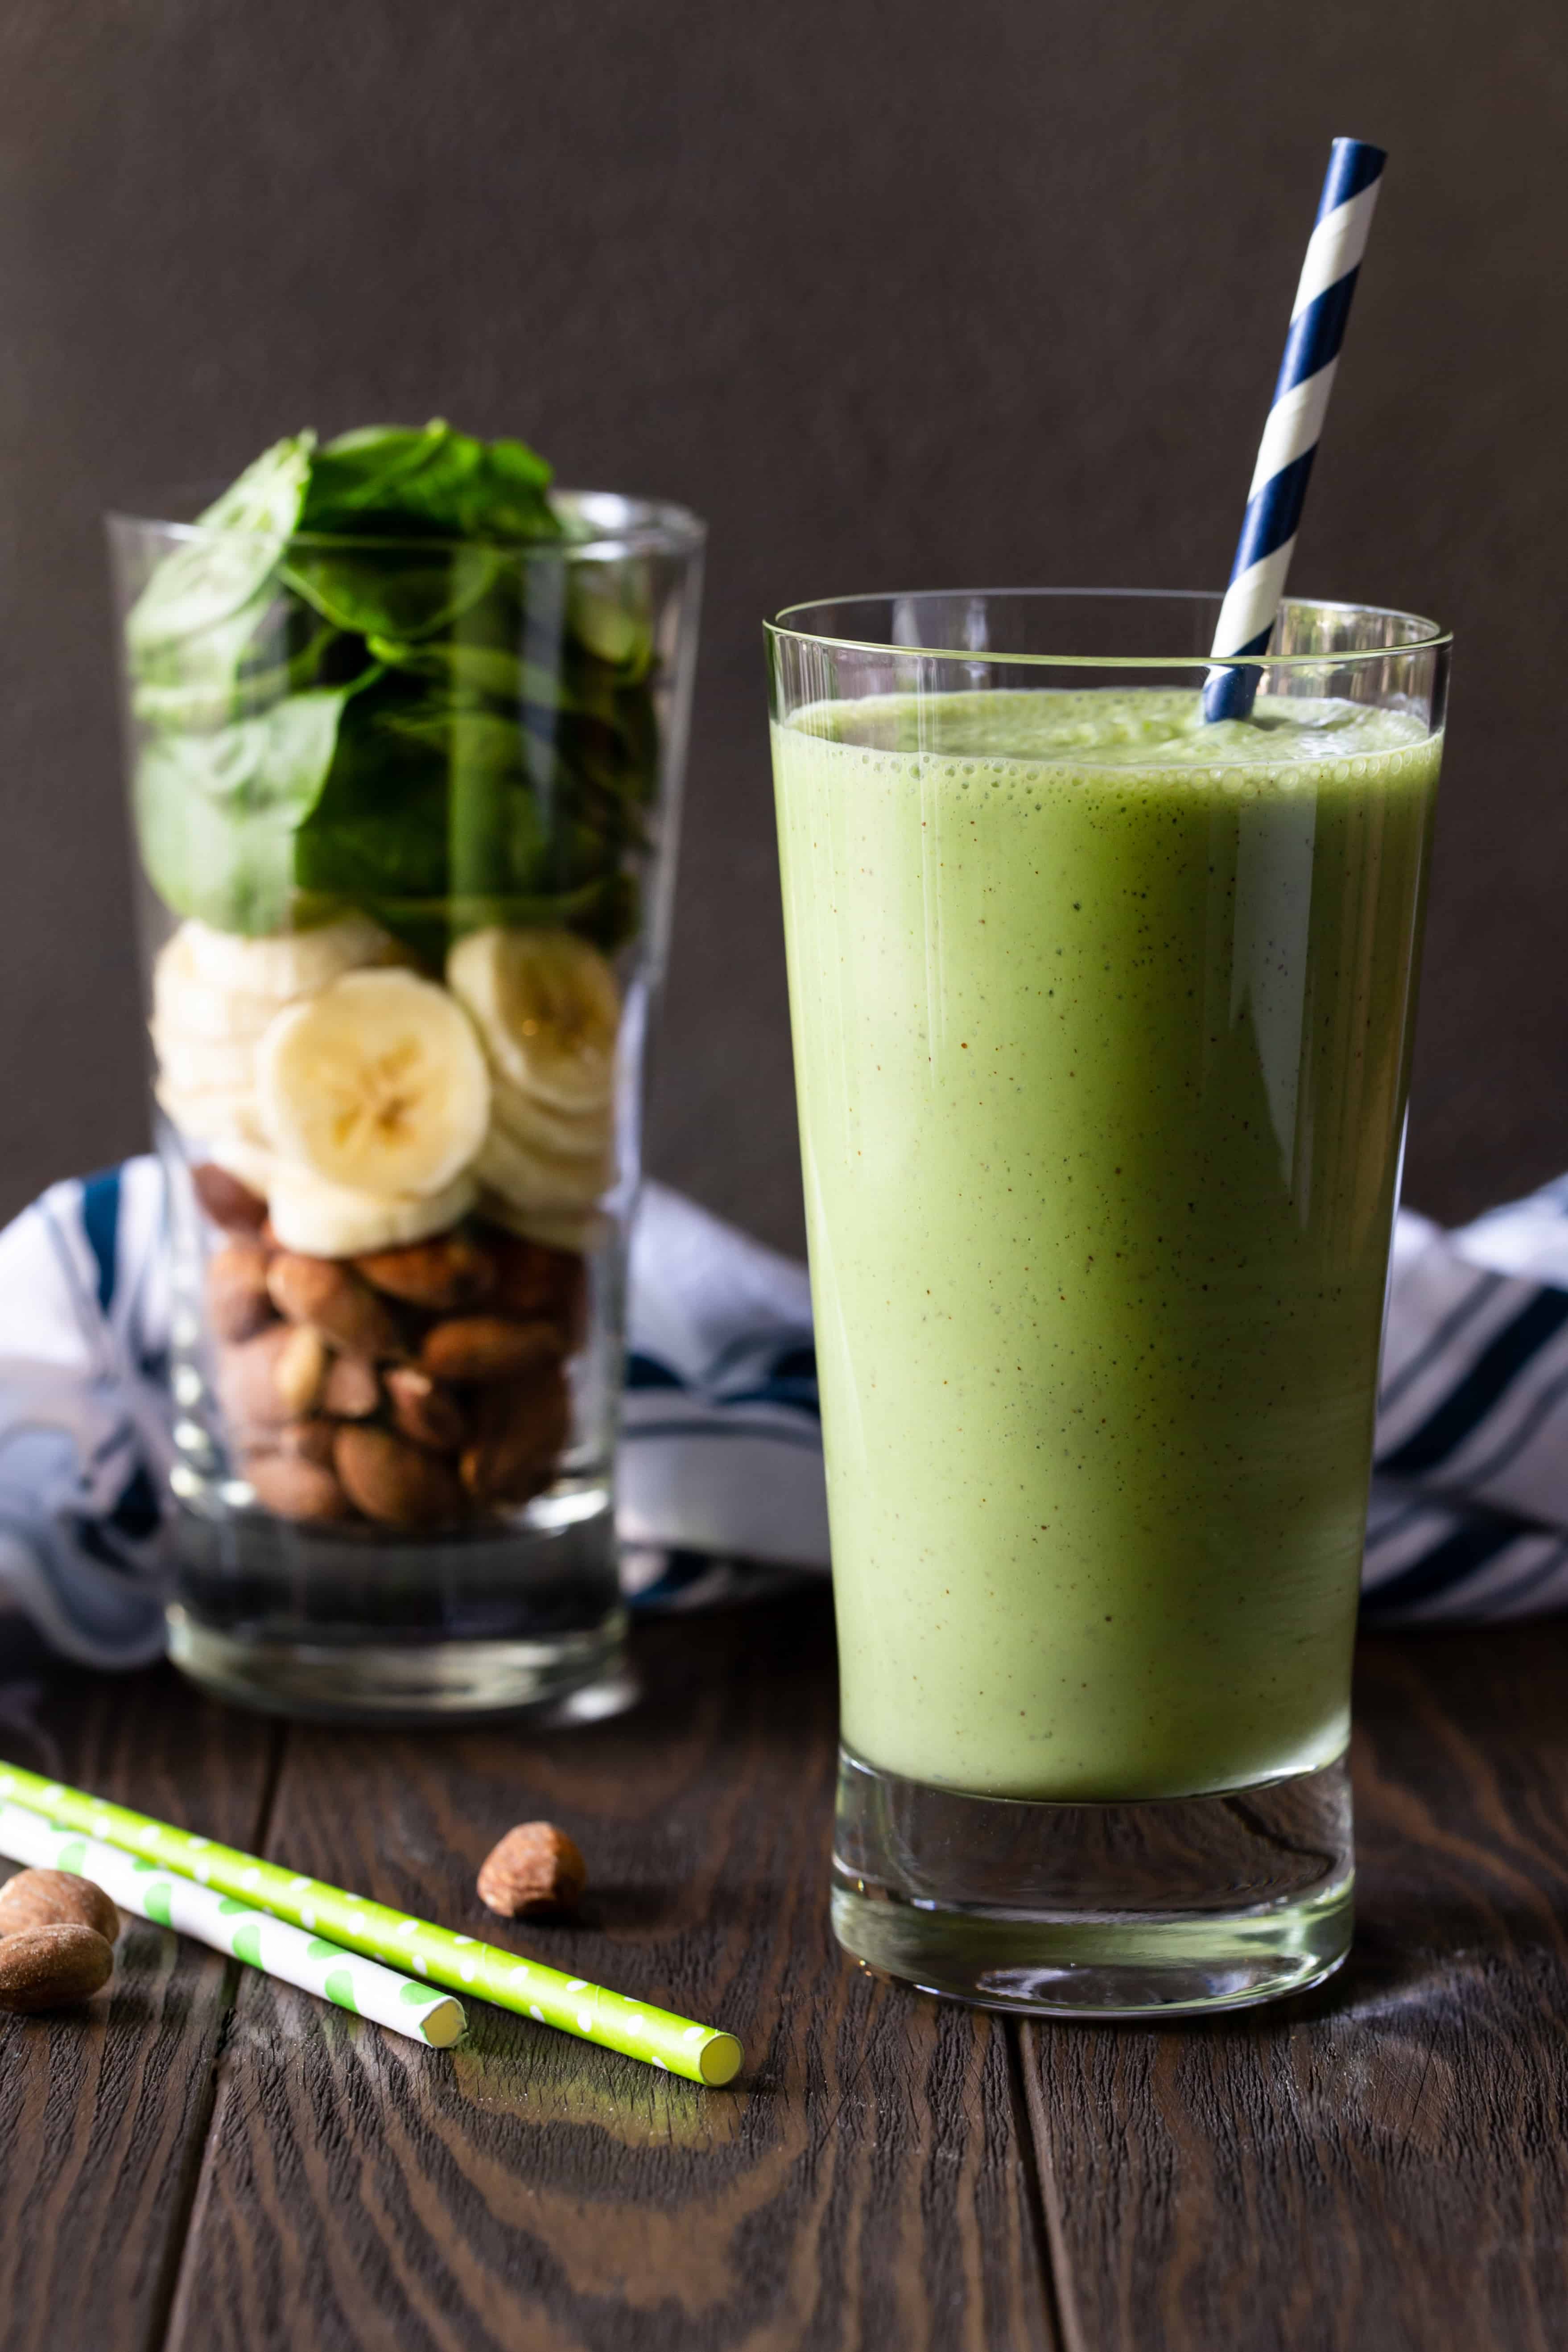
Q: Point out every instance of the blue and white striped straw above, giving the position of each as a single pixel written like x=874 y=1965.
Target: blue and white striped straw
x=1295 y=422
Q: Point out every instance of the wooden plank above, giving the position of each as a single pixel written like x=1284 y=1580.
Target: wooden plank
x=1386 y=2162
x=103 y=2110
x=865 y=2186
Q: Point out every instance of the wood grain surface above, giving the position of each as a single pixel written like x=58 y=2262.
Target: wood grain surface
x=865 y=2186
x=211 y=2162
x=1385 y=2164
x=104 y=2110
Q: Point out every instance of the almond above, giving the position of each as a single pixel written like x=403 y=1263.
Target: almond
x=238 y=1303
x=536 y=1867
x=247 y=1382
x=445 y=1272
x=227 y=1201
x=55 y=1899
x=427 y=1415
x=310 y=1440
x=521 y=1428
x=353 y=1391
x=395 y=1483
x=301 y=1369
x=47 y=1967
x=487 y=1348
x=536 y=1284
x=335 y=1302
x=292 y=1487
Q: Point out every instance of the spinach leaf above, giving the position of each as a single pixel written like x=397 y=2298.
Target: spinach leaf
x=405 y=593
x=207 y=856
x=237 y=544
x=392 y=479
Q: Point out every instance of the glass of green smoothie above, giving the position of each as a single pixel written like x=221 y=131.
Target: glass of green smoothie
x=1102 y=1022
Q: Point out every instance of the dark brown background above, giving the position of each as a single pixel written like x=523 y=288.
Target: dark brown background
x=897 y=296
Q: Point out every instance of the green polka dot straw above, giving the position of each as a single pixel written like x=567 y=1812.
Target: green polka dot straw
x=229 y=1924
x=677 y=2045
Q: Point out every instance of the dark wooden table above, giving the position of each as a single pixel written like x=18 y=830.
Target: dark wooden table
x=210 y=2160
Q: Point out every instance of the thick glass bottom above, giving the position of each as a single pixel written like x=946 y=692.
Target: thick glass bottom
x=1159 y=1907
x=359 y=1626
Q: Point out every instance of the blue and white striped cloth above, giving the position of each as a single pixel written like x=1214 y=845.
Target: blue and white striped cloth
x=719 y=1471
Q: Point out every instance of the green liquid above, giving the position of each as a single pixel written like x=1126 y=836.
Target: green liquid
x=1101 y=1028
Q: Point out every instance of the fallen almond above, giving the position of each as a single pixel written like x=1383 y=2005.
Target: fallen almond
x=332 y=1299
x=424 y=1412
x=55 y=1899
x=394 y=1483
x=535 y=1867
x=49 y=1968
x=484 y=1347
x=447 y=1271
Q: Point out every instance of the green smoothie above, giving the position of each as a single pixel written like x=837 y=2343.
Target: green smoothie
x=1101 y=1029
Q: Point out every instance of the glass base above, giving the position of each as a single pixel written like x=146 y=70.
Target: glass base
x=364 y=1626
x=1159 y=1907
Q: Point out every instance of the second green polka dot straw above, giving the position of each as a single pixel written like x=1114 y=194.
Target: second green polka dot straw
x=677 y=2045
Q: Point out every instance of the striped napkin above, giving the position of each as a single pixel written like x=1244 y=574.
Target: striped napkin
x=718 y=1473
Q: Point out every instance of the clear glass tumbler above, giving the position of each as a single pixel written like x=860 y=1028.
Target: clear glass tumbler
x=405 y=818
x=1102 y=1022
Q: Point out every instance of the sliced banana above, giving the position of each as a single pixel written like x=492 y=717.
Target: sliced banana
x=539 y=1126
x=578 y=1230
x=192 y=1065
x=322 y=1220
x=375 y=1083
x=186 y=1005
x=213 y=1116
x=255 y=1167
x=292 y=964
x=532 y=1178
x=548 y=1009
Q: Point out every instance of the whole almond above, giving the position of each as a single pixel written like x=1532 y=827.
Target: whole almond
x=55 y=1899
x=447 y=1271
x=353 y=1391
x=536 y=1284
x=310 y=1440
x=294 y=1488
x=484 y=1347
x=427 y=1413
x=523 y=1426
x=301 y=1369
x=238 y=1303
x=247 y=1382
x=227 y=1201
x=334 y=1300
x=535 y=1867
x=394 y=1483
x=49 y=1968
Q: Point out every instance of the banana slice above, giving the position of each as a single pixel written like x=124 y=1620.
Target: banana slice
x=199 y=1065
x=213 y=1116
x=375 y=1083
x=187 y=1006
x=548 y=1009
x=578 y=1230
x=539 y=1126
x=256 y=1167
x=322 y=1220
x=292 y=964
x=532 y=1178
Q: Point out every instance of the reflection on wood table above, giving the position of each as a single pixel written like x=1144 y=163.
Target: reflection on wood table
x=208 y=2159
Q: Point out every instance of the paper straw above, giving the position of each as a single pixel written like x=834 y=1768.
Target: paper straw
x=1295 y=422
x=677 y=2045
x=247 y=1934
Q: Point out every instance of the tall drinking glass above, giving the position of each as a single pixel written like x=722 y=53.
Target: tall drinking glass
x=404 y=814
x=1102 y=1022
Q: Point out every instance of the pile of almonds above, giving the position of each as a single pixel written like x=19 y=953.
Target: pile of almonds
x=418 y=1388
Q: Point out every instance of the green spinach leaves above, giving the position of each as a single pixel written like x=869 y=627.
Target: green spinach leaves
x=375 y=675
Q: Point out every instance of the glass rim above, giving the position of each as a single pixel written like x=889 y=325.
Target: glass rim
x=653 y=527
x=1427 y=636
